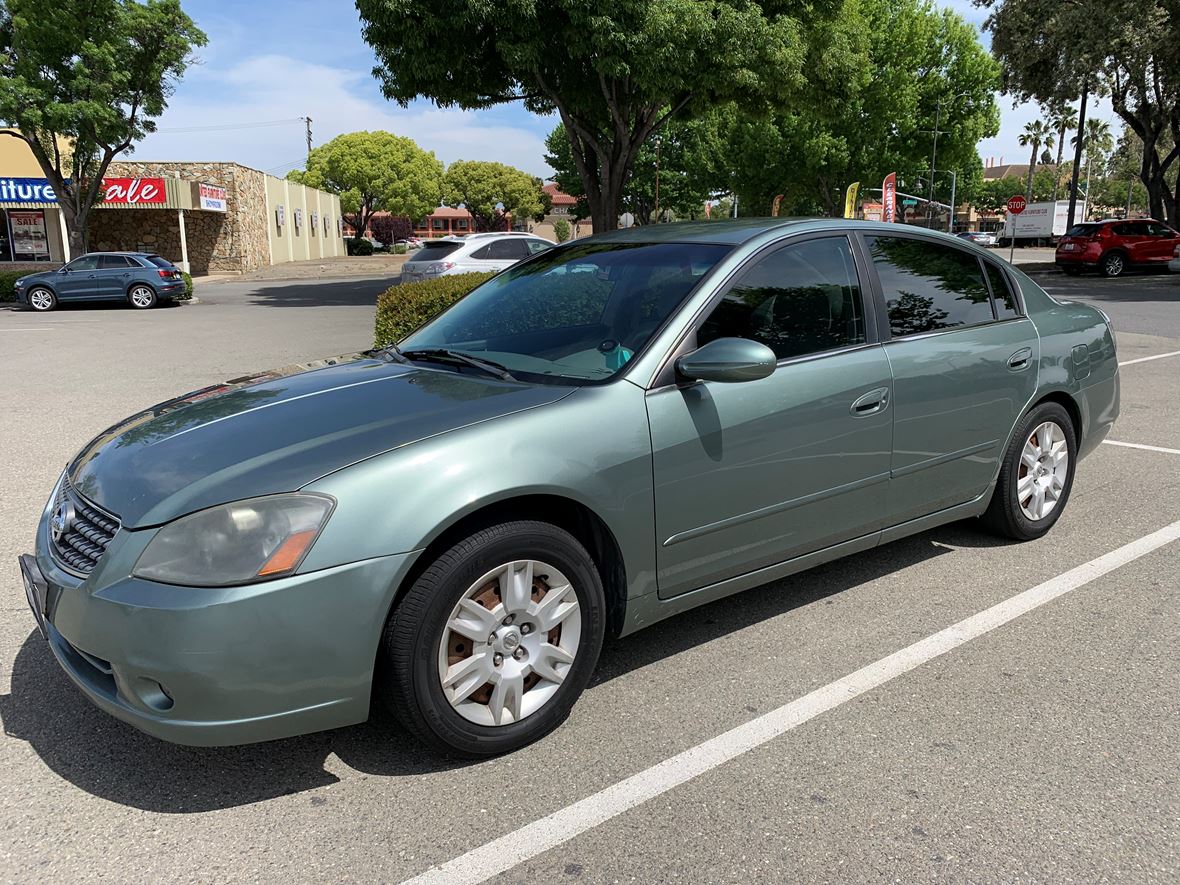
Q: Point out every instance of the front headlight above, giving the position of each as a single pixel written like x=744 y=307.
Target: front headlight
x=239 y=543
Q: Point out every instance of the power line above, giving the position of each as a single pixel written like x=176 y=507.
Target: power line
x=291 y=164
x=228 y=126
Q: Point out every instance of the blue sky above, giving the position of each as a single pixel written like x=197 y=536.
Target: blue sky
x=270 y=62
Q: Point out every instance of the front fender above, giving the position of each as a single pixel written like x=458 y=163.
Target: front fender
x=592 y=447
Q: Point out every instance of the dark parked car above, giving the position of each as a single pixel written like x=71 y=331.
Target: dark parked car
x=1114 y=246
x=141 y=279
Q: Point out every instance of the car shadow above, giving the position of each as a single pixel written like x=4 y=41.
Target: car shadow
x=111 y=760
x=314 y=293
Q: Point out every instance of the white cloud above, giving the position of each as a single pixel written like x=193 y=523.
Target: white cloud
x=276 y=87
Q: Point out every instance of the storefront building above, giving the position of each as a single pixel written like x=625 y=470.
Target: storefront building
x=204 y=217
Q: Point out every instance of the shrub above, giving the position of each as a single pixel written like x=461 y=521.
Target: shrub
x=399 y=249
x=7 y=279
x=360 y=246
x=561 y=230
x=188 y=286
x=402 y=309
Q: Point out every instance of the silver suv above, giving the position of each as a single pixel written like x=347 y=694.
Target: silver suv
x=475 y=253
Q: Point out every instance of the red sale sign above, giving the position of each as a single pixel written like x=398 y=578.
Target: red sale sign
x=133 y=191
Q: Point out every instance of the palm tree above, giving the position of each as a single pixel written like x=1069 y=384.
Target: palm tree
x=1098 y=142
x=1061 y=118
x=1036 y=133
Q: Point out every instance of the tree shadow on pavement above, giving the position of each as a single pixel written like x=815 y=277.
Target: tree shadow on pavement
x=107 y=758
x=314 y=293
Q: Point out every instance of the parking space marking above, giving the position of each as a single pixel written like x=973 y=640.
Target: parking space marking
x=1147 y=359
x=30 y=329
x=1127 y=445
x=533 y=839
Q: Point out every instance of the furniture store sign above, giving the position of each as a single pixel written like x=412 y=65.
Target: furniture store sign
x=211 y=198
x=116 y=191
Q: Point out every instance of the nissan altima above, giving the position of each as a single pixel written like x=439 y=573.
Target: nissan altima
x=611 y=432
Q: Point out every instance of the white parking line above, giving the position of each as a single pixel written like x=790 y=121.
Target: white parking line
x=30 y=329
x=1111 y=442
x=514 y=848
x=1147 y=359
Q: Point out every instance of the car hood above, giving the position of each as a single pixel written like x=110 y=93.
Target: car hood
x=278 y=431
x=40 y=275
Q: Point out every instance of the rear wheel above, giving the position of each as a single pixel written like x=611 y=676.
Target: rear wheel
x=42 y=299
x=1113 y=264
x=142 y=297
x=492 y=645
x=1036 y=476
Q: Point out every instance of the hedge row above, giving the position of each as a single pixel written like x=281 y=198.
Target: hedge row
x=402 y=309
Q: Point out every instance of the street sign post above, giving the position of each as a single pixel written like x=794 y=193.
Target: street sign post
x=1016 y=205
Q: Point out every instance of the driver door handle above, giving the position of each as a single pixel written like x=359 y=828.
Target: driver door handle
x=876 y=400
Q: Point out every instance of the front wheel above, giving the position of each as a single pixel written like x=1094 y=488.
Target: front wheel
x=1113 y=265
x=1036 y=477
x=494 y=642
x=142 y=297
x=42 y=299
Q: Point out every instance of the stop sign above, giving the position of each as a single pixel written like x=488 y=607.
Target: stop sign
x=1016 y=204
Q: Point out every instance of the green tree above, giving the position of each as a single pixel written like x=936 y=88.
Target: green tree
x=491 y=190
x=679 y=166
x=374 y=171
x=1129 y=50
x=1036 y=133
x=613 y=73
x=1062 y=117
x=81 y=82
x=561 y=230
x=921 y=63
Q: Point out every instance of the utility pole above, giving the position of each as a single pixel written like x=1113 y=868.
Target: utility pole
x=933 y=154
x=657 y=220
x=307 y=124
x=1077 y=157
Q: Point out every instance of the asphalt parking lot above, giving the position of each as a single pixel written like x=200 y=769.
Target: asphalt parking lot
x=773 y=736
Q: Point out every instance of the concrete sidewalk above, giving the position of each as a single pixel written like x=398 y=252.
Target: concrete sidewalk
x=317 y=268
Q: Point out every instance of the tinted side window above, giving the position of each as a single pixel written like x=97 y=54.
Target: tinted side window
x=798 y=300
x=86 y=262
x=929 y=286
x=481 y=254
x=111 y=262
x=1001 y=292
x=510 y=250
x=537 y=246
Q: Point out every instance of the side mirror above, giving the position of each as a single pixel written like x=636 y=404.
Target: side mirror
x=728 y=360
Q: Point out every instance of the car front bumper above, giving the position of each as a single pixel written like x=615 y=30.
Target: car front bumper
x=219 y=666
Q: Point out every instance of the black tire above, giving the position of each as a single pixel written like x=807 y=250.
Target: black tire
x=1004 y=515
x=148 y=300
x=43 y=291
x=408 y=680
x=1114 y=264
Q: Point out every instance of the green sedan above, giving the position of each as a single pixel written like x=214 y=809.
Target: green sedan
x=609 y=433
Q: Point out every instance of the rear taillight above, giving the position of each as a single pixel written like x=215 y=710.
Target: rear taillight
x=168 y=274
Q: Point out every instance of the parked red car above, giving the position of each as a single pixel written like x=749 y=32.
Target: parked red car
x=1114 y=246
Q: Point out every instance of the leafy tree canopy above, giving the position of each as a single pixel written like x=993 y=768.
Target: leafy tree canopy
x=82 y=80
x=614 y=73
x=375 y=171
x=489 y=189
x=922 y=64
x=1129 y=50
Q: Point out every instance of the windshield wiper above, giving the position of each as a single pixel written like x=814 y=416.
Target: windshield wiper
x=442 y=354
x=388 y=350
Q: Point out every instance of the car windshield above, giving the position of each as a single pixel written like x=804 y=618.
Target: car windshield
x=434 y=250
x=576 y=314
x=1083 y=230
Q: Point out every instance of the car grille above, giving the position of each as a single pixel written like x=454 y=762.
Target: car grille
x=88 y=531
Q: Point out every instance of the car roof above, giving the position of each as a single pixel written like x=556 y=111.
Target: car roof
x=138 y=254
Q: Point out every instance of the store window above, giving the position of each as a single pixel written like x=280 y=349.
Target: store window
x=23 y=235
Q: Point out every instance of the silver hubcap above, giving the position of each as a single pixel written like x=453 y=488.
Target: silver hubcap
x=1114 y=265
x=40 y=299
x=1044 y=466
x=141 y=297
x=509 y=643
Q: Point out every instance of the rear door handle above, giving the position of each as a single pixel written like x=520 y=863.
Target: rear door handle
x=871 y=403
x=1019 y=360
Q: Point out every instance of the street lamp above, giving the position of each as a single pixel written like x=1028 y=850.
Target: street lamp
x=934 y=149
